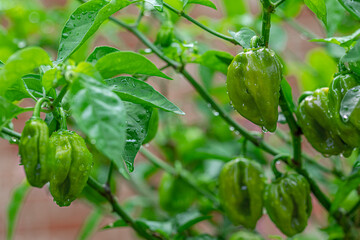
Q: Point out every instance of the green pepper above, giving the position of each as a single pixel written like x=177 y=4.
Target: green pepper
x=241 y=186
x=165 y=35
x=72 y=166
x=317 y=125
x=36 y=152
x=253 y=84
x=175 y=195
x=288 y=203
x=340 y=85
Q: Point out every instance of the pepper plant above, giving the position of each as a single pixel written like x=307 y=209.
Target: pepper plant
x=216 y=171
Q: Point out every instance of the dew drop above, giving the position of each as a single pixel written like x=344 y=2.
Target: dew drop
x=65 y=35
x=263 y=128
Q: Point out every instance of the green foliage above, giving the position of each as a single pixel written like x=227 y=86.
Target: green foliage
x=118 y=98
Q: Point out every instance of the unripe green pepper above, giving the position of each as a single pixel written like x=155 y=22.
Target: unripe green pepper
x=36 y=152
x=253 y=84
x=165 y=35
x=72 y=166
x=241 y=186
x=317 y=125
x=35 y=149
x=175 y=195
x=340 y=85
x=288 y=203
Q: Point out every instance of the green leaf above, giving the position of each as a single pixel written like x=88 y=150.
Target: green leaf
x=52 y=78
x=137 y=91
x=8 y=111
x=33 y=85
x=186 y=220
x=345 y=41
x=335 y=15
x=99 y=52
x=163 y=228
x=131 y=63
x=20 y=63
x=286 y=88
x=117 y=223
x=90 y=224
x=352 y=6
x=15 y=203
x=351 y=183
x=84 y=22
x=101 y=115
x=318 y=7
x=138 y=118
x=349 y=103
x=243 y=37
x=216 y=60
x=353 y=55
x=206 y=3
x=157 y=4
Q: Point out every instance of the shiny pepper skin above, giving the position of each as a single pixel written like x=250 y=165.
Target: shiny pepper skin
x=288 y=203
x=36 y=152
x=317 y=125
x=175 y=195
x=253 y=84
x=72 y=166
x=241 y=186
x=347 y=131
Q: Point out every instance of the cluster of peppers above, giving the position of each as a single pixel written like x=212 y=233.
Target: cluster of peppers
x=320 y=120
x=253 y=84
x=243 y=193
x=63 y=159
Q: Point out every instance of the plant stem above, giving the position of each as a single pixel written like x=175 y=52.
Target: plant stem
x=60 y=96
x=294 y=129
x=268 y=8
x=11 y=133
x=118 y=209
x=182 y=174
x=278 y=3
x=184 y=15
x=108 y=180
x=37 y=109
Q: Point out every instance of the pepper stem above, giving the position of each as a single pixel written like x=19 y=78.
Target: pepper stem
x=37 y=109
x=254 y=42
x=279 y=157
x=63 y=124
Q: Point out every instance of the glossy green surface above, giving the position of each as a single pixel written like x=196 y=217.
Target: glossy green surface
x=241 y=186
x=253 y=84
x=346 y=130
x=317 y=125
x=36 y=152
x=72 y=167
x=288 y=203
x=153 y=126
